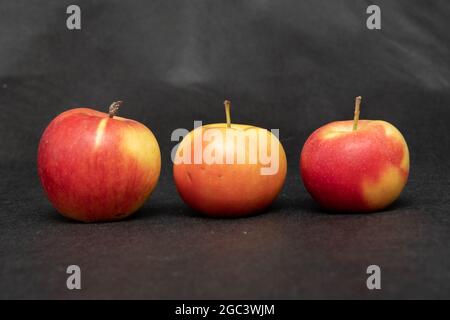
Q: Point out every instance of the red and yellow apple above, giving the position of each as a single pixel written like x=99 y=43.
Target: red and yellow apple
x=96 y=166
x=356 y=166
x=226 y=188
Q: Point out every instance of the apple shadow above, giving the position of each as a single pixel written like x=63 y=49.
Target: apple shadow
x=183 y=210
x=155 y=210
x=402 y=203
x=179 y=209
x=311 y=206
x=148 y=211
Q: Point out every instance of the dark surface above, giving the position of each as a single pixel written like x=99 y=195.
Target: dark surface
x=293 y=65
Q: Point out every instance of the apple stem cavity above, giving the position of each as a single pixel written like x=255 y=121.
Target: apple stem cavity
x=227 y=112
x=114 y=107
x=356 y=117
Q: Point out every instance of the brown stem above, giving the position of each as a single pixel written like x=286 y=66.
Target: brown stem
x=227 y=112
x=114 y=107
x=356 y=117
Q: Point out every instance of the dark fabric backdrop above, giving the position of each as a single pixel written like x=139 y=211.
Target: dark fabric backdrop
x=293 y=65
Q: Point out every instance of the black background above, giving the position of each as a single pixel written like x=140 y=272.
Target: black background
x=293 y=65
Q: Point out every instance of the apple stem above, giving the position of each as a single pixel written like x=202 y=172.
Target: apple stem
x=356 y=117
x=227 y=112
x=114 y=107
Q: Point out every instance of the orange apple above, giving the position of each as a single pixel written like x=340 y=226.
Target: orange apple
x=96 y=166
x=224 y=170
x=359 y=165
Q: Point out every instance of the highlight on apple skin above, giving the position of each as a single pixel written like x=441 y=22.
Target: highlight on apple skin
x=224 y=189
x=96 y=166
x=355 y=166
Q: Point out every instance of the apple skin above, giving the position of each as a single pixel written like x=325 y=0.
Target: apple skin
x=96 y=168
x=227 y=190
x=355 y=171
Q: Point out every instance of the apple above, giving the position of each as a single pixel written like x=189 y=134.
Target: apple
x=219 y=168
x=96 y=166
x=355 y=166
